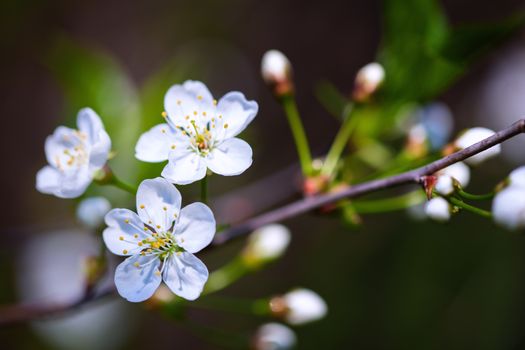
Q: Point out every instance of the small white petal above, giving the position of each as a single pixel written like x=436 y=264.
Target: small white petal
x=269 y=242
x=89 y=123
x=517 y=177
x=231 y=157
x=185 y=275
x=56 y=143
x=70 y=185
x=98 y=156
x=91 y=211
x=508 y=208
x=195 y=228
x=184 y=167
x=237 y=112
x=155 y=145
x=125 y=229
x=304 y=306
x=438 y=209
x=475 y=135
x=137 y=284
x=158 y=203
x=183 y=100
x=275 y=336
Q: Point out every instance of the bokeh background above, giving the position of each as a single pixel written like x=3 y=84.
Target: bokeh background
x=392 y=284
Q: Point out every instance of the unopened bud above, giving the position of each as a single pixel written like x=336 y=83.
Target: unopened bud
x=266 y=243
x=475 y=135
x=438 y=209
x=452 y=176
x=91 y=211
x=367 y=81
x=508 y=208
x=276 y=71
x=299 y=306
x=274 y=336
x=517 y=177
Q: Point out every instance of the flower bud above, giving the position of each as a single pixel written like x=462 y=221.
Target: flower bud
x=367 y=81
x=276 y=71
x=475 y=135
x=517 y=177
x=91 y=211
x=508 y=208
x=274 y=336
x=458 y=172
x=266 y=243
x=438 y=209
x=299 y=306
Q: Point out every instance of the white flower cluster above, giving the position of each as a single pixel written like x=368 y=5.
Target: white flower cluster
x=199 y=134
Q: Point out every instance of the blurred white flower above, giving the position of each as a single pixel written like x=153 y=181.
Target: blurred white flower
x=368 y=79
x=52 y=270
x=458 y=171
x=303 y=306
x=199 y=134
x=274 y=336
x=438 y=209
x=91 y=211
x=517 y=177
x=475 y=135
x=267 y=243
x=508 y=208
x=275 y=67
x=74 y=156
x=160 y=242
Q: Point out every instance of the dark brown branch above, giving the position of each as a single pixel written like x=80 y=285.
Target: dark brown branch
x=413 y=176
x=21 y=313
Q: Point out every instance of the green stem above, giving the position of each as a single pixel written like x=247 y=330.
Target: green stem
x=476 y=197
x=301 y=142
x=226 y=275
x=468 y=207
x=204 y=190
x=390 y=204
x=115 y=181
x=340 y=142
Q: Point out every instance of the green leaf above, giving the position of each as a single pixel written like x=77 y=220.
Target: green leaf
x=467 y=42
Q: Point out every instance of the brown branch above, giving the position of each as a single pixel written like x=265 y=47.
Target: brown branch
x=21 y=313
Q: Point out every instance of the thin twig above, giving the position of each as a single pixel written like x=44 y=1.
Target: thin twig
x=26 y=312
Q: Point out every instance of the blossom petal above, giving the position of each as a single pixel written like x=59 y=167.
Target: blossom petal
x=155 y=145
x=100 y=151
x=231 y=157
x=236 y=112
x=158 y=203
x=63 y=185
x=138 y=283
x=62 y=138
x=89 y=123
x=191 y=98
x=185 y=275
x=195 y=228
x=125 y=224
x=184 y=167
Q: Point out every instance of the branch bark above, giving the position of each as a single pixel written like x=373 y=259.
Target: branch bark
x=13 y=314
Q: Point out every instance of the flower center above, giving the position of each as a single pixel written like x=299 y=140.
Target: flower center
x=161 y=244
x=74 y=154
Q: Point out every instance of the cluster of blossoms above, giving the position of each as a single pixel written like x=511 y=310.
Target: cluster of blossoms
x=199 y=134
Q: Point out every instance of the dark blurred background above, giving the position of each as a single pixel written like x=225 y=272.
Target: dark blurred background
x=393 y=284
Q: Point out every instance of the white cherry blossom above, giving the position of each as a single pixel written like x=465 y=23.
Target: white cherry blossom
x=160 y=242
x=458 y=171
x=74 y=156
x=199 y=134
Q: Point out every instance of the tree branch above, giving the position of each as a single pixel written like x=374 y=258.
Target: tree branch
x=26 y=312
